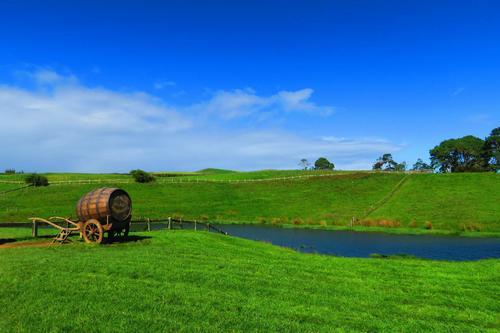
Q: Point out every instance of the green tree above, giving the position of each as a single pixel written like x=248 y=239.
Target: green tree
x=459 y=155
x=385 y=163
x=142 y=176
x=36 y=180
x=323 y=164
x=304 y=164
x=492 y=150
x=400 y=166
x=421 y=166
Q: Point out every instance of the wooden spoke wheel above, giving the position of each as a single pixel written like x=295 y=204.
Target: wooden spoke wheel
x=93 y=232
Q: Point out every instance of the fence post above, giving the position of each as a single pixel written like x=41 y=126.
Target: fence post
x=34 y=229
x=208 y=227
x=169 y=223
x=194 y=225
x=149 y=224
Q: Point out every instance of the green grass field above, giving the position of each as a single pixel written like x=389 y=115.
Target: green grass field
x=196 y=281
x=450 y=202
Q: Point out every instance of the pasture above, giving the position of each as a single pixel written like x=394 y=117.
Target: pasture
x=457 y=203
x=198 y=281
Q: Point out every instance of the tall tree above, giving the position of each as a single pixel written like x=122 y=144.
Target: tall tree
x=386 y=163
x=400 y=166
x=459 y=155
x=323 y=164
x=492 y=149
x=304 y=164
x=421 y=166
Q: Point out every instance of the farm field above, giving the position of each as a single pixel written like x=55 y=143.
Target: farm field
x=404 y=202
x=198 y=281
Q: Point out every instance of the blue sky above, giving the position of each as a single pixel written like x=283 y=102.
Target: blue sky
x=115 y=85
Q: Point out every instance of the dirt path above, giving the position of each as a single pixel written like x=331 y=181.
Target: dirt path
x=387 y=197
x=24 y=244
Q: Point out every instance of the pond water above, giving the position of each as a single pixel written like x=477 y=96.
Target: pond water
x=358 y=244
x=363 y=244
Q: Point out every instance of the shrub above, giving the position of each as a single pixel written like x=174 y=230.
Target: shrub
x=378 y=223
x=277 y=220
x=261 y=220
x=310 y=221
x=204 y=217
x=329 y=216
x=177 y=216
x=389 y=224
x=297 y=221
x=142 y=176
x=366 y=223
x=428 y=225
x=474 y=227
x=10 y=171
x=323 y=223
x=412 y=224
x=36 y=180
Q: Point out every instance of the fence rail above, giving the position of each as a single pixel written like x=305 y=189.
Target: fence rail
x=173 y=180
x=181 y=180
x=172 y=223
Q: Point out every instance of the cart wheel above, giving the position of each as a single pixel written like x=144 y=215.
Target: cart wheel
x=93 y=232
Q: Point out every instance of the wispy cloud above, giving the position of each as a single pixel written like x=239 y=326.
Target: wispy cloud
x=242 y=103
x=458 y=91
x=479 y=118
x=67 y=126
x=159 y=85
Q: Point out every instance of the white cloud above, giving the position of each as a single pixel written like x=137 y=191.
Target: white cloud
x=44 y=76
x=66 y=126
x=242 y=103
x=158 y=85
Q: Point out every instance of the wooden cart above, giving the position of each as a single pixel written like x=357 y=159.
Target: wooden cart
x=99 y=211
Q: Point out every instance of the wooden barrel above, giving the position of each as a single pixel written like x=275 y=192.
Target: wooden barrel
x=103 y=202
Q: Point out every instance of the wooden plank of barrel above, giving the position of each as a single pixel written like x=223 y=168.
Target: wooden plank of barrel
x=103 y=202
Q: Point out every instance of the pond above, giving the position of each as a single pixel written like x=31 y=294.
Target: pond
x=359 y=244
x=364 y=244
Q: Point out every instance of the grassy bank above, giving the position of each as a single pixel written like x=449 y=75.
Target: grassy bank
x=188 y=281
x=454 y=203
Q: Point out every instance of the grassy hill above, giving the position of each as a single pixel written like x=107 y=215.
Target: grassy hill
x=451 y=202
x=196 y=281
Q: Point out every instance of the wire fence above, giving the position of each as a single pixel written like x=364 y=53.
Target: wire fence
x=179 y=180
x=147 y=224
x=173 y=180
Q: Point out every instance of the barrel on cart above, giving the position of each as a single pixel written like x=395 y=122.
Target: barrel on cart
x=104 y=210
x=99 y=211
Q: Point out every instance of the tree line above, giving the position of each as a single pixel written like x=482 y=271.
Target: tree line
x=465 y=154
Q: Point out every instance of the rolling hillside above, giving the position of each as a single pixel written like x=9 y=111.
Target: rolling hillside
x=453 y=202
x=196 y=281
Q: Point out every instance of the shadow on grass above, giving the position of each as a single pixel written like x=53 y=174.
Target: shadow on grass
x=21 y=239
x=7 y=240
x=75 y=239
x=129 y=239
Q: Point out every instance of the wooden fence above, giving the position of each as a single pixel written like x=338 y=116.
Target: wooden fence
x=171 y=223
x=172 y=180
